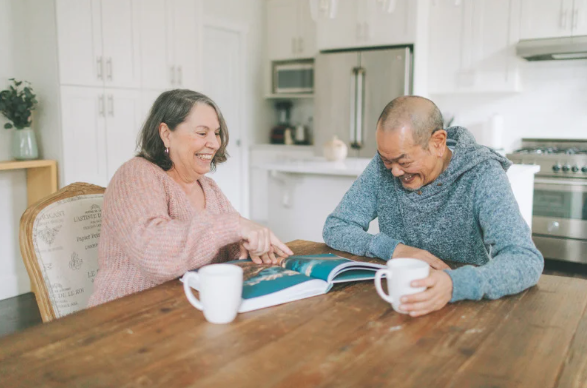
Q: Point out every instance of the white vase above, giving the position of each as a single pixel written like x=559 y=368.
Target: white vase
x=24 y=144
x=335 y=150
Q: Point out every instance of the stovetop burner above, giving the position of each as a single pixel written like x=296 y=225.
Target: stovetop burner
x=556 y=158
x=551 y=151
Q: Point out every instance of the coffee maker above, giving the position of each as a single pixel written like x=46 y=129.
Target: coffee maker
x=279 y=132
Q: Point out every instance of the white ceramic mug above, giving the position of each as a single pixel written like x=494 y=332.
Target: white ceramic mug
x=400 y=273
x=221 y=288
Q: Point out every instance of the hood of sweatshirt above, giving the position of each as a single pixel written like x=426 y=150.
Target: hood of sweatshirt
x=466 y=155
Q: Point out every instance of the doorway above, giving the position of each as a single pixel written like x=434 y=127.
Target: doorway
x=223 y=81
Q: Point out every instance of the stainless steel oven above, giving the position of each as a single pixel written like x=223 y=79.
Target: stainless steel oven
x=559 y=215
x=559 y=218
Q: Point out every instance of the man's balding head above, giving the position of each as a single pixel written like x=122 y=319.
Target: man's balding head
x=419 y=114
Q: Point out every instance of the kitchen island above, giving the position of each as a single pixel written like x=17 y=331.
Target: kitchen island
x=302 y=193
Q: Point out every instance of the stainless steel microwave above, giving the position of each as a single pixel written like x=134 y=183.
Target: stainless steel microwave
x=293 y=77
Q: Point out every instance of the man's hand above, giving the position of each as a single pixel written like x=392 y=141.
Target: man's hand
x=436 y=296
x=402 y=250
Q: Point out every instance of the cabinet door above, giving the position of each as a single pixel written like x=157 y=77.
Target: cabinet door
x=123 y=121
x=579 y=18
x=306 y=31
x=282 y=29
x=343 y=31
x=186 y=37
x=446 y=41
x=395 y=27
x=491 y=62
x=83 y=125
x=546 y=19
x=155 y=44
x=80 y=42
x=120 y=36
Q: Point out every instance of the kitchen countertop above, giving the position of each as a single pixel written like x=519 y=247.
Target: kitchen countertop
x=320 y=166
x=353 y=167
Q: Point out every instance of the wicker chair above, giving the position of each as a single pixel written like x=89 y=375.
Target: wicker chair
x=59 y=246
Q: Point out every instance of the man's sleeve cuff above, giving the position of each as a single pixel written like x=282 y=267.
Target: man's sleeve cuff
x=466 y=283
x=382 y=246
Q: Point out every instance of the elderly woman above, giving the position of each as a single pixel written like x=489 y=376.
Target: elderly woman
x=162 y=216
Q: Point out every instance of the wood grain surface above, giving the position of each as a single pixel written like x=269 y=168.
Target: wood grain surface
x=346 y=338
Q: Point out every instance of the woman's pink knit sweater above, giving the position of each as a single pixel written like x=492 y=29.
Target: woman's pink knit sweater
x=151 y=233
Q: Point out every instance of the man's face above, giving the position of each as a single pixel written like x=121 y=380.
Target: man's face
x=413 y=165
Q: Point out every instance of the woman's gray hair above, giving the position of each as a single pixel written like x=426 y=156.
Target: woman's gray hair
x=172 y=108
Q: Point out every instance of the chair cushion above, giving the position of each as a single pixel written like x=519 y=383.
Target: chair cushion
x=65 y=239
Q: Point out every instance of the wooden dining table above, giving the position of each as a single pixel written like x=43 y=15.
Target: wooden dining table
x=349 y=337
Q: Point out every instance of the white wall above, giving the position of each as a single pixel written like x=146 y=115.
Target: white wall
x=553 y=104
x=13 y=276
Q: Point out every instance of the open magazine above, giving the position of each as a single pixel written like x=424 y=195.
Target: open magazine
x=297 y=277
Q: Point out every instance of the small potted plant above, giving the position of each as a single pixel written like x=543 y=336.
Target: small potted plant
x=16 y=104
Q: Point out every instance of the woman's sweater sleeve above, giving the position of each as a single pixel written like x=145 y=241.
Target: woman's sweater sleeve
x=136 y=204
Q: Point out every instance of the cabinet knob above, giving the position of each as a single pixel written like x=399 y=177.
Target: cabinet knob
x=553 y=226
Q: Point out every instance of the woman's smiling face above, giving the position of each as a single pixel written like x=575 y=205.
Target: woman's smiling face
x=194 y=142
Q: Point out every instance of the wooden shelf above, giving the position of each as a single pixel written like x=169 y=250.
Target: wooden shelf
x=20 y=164
x=41 y=177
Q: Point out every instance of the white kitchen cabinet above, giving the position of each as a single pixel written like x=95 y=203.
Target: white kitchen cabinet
x=98 y=42
x=84 y=138
x=553 y=18
x=124 y=116
x=472 y=46
x=290 y=30
x=100 y=128
x=169 y=34
x=579 y=19
x=361 y=23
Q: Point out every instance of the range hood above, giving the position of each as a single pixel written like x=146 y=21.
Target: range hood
x=553 y=49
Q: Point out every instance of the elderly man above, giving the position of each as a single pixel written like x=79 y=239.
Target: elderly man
x=437 y=195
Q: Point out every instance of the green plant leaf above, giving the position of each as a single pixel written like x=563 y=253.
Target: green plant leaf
x=7 y=125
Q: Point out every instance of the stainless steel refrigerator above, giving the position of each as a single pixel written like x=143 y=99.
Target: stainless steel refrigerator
x=351 y=90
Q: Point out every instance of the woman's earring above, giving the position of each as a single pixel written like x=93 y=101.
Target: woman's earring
x=166 y=150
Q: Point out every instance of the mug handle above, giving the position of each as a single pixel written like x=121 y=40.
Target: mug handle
x=378 y=287
x=188 y=290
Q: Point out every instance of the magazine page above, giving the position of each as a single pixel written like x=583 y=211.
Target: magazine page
x=332 y=268
x=315 y=266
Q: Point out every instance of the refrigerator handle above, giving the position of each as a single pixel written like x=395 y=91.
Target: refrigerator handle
x=358 y=139
x=353 y=106
x=407 y=72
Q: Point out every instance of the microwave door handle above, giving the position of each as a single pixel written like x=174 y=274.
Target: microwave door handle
x=360 y=107
x=353 y=96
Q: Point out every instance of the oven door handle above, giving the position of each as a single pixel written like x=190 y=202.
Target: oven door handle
x=560 y=182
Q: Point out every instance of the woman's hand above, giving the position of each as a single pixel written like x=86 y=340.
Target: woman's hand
x=261 y=244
